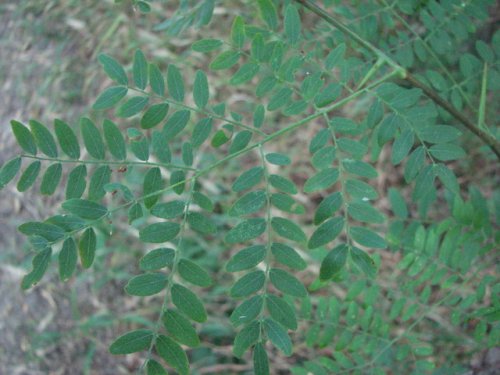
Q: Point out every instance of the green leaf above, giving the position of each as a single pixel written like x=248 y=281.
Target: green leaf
x=86 y=247
x=29 y=176
x=85 y=209
x=109 y=97
x=193 y=273
x=175 y=83
x=92 y=139
x=286 y=283
x=238 y=32
x=200 y=89
x=135 y=212
x=323 y=158
x=398 y=203
x=247 y=258
x=278 y=336
x=48 y=231
x=220 y=137
x=44 y=140
x=286 y=203
x=363 y=261
x=188 y=303
x=249 y=203
x=447 y=152
x=132 y=106
x=23 y=137
x=140 y=148
x=159 y=232
x=225 y=60
x=9 y=171
x=279 y=99
x=286 y=255
x=365 y=212
x=414 y=164
x=283 y=184
x=169 y=210
x=176 y=123
x=447 y=177
x=200 y=223
x=146 y=284
x=326 y=232
x=322 y=180
x=333 y=262
x=245 y=73
x=335 y=56
x=114 y=140
x=281 y=311
x=180 y=328
x=260 y=360
x=360 y=190
x=113 y=69
x=157 y=259
x=178 y=181
x=247 y=311
x=268 y=13
x=367 y=237
x=278 y=159
x=203 y=201
x=140 y=70
x=201 y=132
x=67 y=259
x=359 y=168
x=240 y=141
x=439 y=133
x=154 y=115
x=311 y=85
x=40 y=264
x=288 y=229
x=329 y=94
x=67 y=139
x=132 y=342
x=424 y=182
x=152 y=183
x=172 y=353
x=156 y=80
x=155 y=368
x=248 y=179
x=76 y=182
x=51 y=179
x=259 y=115
x=249 y=284
x=292 y=24
x=206 y=45
x=246 y=338
x=402 y=146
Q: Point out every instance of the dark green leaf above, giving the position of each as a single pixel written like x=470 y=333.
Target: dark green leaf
x=40 y=264
x=335 y=56
x=439 y=133
x=135 y=212
x=248 y=179
x=365 y=212
x=292 y=24
x=220 y=137
x=225 y=60
x=48 y=231
x=286 y=203
x=114 y=140
x=201 y=223
x=193 y=273
x=447 y=177
x=279 y=99
x=175 y=83
x=178 y=181
x=447 y=152
x=152 y=183
x=146 y=284
x=247 y=258
x=140 y=148
x=157 y=258
x=140 y=70
x=333 y=262
x=51 y=179
x=9 y=171
x=176 y=123
x=92 y=139
x=329 y=94
x=76 y=182
x=281 y=311
x=109 y=97
x=246 y=338
x=240 y=141
x=268 y=13
x=248 y=203
x=328 y=206
x=154 y=115
x=159 y=232
x=168 y=210
x=86 y=247
x=322 y=180
x=180 y=328
x=67 y=259
x=44 y=140
x=99 y=179
x=113 y=69
x=245 y=73
x=398 y=203
x=278 y=336
x=201 y=132
x=288 y=229
x=156 y=80
x=367 y=237
x=238 y=32
x=360 y=190
x=173 y=354
x=29 y=176
x=260 y=360
x=247 y=311
x=414 y=164
x=187 y=302
x=402 y=146
x=132 y=342
x=132 y=106
x=359 y=168
x=326 y=232
x=23 y=137
x=200 y=89
x=288 y=256
x=286 y=283
x=85 y=209
x=249 y=284
x=282 y=184
x=363 y=261
x=323 y=158
x=206 y=45
x=278 y=159
x=155 y=368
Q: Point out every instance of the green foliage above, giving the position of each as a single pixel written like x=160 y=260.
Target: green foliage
x=306 y=226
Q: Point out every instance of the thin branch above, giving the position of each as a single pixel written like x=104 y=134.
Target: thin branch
x=491 y=141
